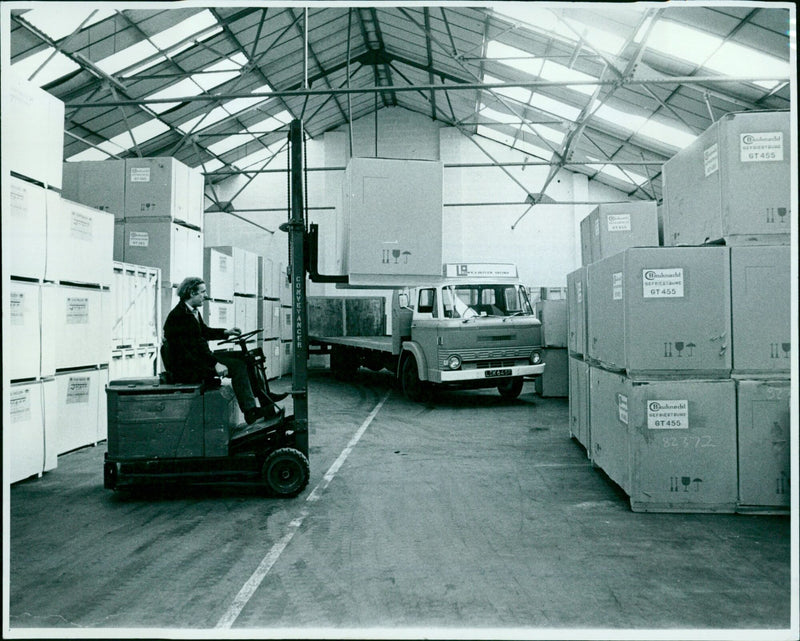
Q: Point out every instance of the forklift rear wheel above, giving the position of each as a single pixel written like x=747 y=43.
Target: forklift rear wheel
x=285 y=472
x=511 y=388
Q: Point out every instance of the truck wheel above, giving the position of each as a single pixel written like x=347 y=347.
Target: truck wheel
x=285 y=472
x=511 y=389
x=414 y=389
x=343 y=366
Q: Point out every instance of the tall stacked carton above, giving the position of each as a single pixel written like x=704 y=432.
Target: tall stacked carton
x=688 y=345
x=554 y=382
x=57 y=271
x=157 y=205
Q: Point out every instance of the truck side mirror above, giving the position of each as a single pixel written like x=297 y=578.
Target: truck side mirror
x=402 y=300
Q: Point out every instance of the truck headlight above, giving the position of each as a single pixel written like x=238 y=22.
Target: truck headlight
x=536 y=357
x=454 y=361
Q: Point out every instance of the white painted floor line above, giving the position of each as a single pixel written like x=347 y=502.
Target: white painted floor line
x=255 y=580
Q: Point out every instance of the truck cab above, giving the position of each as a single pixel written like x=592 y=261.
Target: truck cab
x=467 y=330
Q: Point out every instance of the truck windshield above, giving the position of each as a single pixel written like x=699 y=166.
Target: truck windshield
x=468 y=301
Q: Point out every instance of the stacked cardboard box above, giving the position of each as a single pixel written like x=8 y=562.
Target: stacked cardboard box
x=555 y=379
x=683 y=351
x=57 y=271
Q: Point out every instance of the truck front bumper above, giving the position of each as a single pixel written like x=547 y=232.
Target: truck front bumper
x=498 y=374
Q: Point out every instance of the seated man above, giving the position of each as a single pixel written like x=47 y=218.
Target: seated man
x=191 y=360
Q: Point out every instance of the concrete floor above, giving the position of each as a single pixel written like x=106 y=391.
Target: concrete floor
x=471 y=515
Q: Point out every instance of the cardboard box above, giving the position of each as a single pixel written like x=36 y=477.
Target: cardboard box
x=579 y=423
x=77 y=409
x=99 y=184
x=553 y=314
x=733 y=182
x=554 y=382
x=577 y=295
x=175 y=249
x=76 y=327
x=662 y=312
x=218 y=272
x=24 y=407
x=670 y=444
x=160 y=188
x=245 y=312
x=22 y=326
x=80 y=244
x=32 y=130
x=761 y=310
x=764 y=444
x=392 y=220
x=24 y=221
x=611 y=228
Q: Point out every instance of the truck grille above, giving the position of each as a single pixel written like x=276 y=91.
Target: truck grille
x=485 y=358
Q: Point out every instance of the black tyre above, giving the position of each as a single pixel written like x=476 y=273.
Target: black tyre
x=285 y=472
x=343 y=365
x=511 y=388
x=414 y=389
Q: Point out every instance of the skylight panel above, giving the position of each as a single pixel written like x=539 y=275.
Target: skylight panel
x=510 y=141
x=734 y=59
x=191 y=26
x=223 y=111
x=212 y=165
x=499 y=116
x=60 y=24
x=141 y=133
x=539 y=67
x=666 y=134
x=127 y=57
x=188 y=29
x=258 y=157
x=682 y=42
x=519 y=94
x=230 y=142
x=623 y=119
x=57 y=67
x=613 y=171
x=546 y=21
x=553 y=106
x=212 y=76
x=89 y=154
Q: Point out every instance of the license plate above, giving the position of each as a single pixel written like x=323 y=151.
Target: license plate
x=491 y=373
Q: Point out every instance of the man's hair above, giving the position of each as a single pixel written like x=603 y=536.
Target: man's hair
x=188 y=287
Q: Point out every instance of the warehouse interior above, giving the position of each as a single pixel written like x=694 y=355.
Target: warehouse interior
x=634 y=166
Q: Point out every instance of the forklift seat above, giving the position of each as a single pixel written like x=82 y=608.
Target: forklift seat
x=167 y=378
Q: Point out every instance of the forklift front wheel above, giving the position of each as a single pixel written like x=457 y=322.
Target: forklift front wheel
x=285 y=472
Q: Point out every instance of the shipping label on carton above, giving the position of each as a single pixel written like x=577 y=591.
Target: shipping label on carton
x=19 y=403
x=78 y=389
x=668 y=415
x=579 y=292
x=138 y=239
x=662 y=283
x=616 y=286
x=17 y=311
x=81 y=226
x=711 y=159
x=622 y=408
x=140 y=174
x=761 y=147
x=77 y=311
x=618 y=222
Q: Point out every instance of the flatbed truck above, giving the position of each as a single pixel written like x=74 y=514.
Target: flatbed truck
x=472 y=328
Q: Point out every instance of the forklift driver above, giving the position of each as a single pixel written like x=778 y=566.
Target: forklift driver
x=191 y=360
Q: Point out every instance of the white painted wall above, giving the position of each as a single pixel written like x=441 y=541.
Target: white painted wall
x=545 y=243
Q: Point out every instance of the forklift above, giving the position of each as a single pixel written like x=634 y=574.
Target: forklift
x=162 y=432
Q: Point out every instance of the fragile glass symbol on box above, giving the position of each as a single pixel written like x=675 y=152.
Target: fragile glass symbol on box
x=393 y=256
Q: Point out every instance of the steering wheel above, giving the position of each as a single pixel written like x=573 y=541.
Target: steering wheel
x=240 y=337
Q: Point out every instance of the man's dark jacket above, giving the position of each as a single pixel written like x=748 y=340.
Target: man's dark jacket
x=190 y=359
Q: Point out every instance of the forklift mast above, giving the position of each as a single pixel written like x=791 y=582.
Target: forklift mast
x=296 y=228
